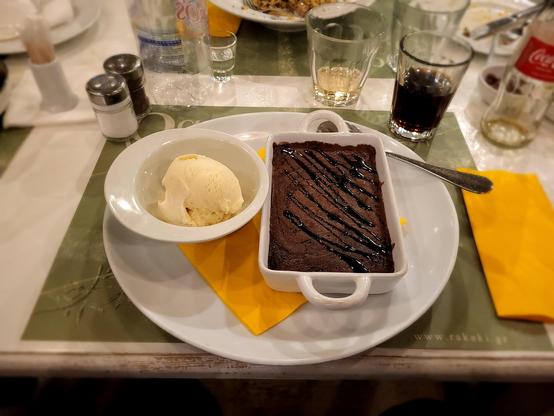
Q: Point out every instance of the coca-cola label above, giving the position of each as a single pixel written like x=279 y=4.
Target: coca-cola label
x=537 y=60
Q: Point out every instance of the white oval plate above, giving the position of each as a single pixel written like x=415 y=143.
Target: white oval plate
x=86 y=13
x=280 y=23
x=166 y=288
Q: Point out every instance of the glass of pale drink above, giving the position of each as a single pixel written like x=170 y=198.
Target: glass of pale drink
x=342 y=41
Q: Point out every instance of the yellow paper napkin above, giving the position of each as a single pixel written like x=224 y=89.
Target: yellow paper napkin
x=230 y=266
x=513 y=226
x=220 y=22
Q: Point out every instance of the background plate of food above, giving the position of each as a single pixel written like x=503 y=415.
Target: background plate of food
x=482 y=12
x=282 y=15
x=64 y=18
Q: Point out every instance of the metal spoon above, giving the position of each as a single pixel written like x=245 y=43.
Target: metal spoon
x=468 y=181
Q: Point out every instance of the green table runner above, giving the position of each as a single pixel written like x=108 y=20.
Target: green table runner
x=10 y=141
x=262 y=51
x=81 y=300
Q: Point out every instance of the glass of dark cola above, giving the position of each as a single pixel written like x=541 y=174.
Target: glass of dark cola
x=430 y=68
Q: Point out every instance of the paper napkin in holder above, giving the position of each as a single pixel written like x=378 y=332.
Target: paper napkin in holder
x=513 y=226
x=47 y=97
x=24 y=105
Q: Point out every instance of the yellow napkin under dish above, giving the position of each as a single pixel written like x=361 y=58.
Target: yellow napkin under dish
x=513 y=226
x=220 y=22
x=230 y=266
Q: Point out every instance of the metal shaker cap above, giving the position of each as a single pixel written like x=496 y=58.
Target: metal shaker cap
x=128 y=66
x=107 y=89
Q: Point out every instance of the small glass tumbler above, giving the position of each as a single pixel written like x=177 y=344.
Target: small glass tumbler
x=430 y=68
x=223 y=49
x=342 y=41
x=411 y=16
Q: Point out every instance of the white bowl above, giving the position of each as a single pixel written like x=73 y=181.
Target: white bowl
x=134 y=182
x=488 y=93
x=335 y=282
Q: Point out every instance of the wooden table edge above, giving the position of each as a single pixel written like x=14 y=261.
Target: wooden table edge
x=204 y=365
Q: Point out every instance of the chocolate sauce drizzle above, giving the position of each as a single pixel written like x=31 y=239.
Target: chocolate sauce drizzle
x=331 y=176
x=354 y=264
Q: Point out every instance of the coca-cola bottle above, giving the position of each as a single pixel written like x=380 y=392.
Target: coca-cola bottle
x=527 y=87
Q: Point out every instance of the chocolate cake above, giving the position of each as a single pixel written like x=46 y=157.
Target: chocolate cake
x=327 y=212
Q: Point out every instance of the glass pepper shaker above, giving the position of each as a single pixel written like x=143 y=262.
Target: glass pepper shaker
x=130 y=67
x=111 y=101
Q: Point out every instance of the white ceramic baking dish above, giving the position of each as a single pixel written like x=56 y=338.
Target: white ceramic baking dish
x=332 y=283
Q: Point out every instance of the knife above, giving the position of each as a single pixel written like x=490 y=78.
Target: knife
x=505 y=23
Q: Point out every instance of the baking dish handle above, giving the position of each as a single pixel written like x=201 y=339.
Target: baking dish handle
x=311 y=121
x=306 y=285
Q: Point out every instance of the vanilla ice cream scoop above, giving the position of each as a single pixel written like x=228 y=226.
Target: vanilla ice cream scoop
x=199 y=191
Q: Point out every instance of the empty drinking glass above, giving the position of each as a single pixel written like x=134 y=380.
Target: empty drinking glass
x=415 y=15
x=222 y=55
x=342 y=41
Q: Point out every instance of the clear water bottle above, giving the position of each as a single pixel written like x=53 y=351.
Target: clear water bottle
x=170 y=39
x=527 y=88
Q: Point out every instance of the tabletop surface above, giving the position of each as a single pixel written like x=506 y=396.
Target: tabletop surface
x=37 y=209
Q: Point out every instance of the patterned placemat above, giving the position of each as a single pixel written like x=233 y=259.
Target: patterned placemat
x=263 y=51
x=81 y=300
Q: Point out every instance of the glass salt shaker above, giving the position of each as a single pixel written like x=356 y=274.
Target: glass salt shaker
x=130 y=67
x=111 y=101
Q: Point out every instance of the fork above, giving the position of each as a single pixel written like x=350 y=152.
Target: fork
x=250 y=4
